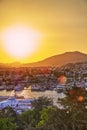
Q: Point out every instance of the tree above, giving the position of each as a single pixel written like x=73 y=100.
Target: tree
x=42 y=102
x=54 y=119
x=8 y=112
x=31 y=118
x=7 y=124
x=75 y=103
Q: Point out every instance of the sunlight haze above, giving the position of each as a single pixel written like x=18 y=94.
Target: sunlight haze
x=62 y=25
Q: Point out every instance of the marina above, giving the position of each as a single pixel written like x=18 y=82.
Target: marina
x=27 y=95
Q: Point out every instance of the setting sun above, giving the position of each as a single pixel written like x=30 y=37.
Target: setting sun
x=33 y=30
x=20 y=42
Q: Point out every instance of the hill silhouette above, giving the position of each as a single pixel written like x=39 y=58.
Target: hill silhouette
x=56 y=60
x=62 y=59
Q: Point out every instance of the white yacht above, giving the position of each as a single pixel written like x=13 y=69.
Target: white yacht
x=23 y=104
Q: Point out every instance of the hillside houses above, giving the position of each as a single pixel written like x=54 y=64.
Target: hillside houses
x=44 y=78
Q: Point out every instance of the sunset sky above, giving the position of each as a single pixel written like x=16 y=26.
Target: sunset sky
x=57 y=25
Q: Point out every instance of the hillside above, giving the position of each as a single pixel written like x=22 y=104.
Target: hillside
x=57 y=60
x=62 y=59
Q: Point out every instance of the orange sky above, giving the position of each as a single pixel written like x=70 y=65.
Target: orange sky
x=62 y=24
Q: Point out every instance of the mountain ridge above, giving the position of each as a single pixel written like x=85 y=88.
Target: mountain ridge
x=61 y=59
x=56 y=60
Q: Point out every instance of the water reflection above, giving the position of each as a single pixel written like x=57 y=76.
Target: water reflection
x=27 y=93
